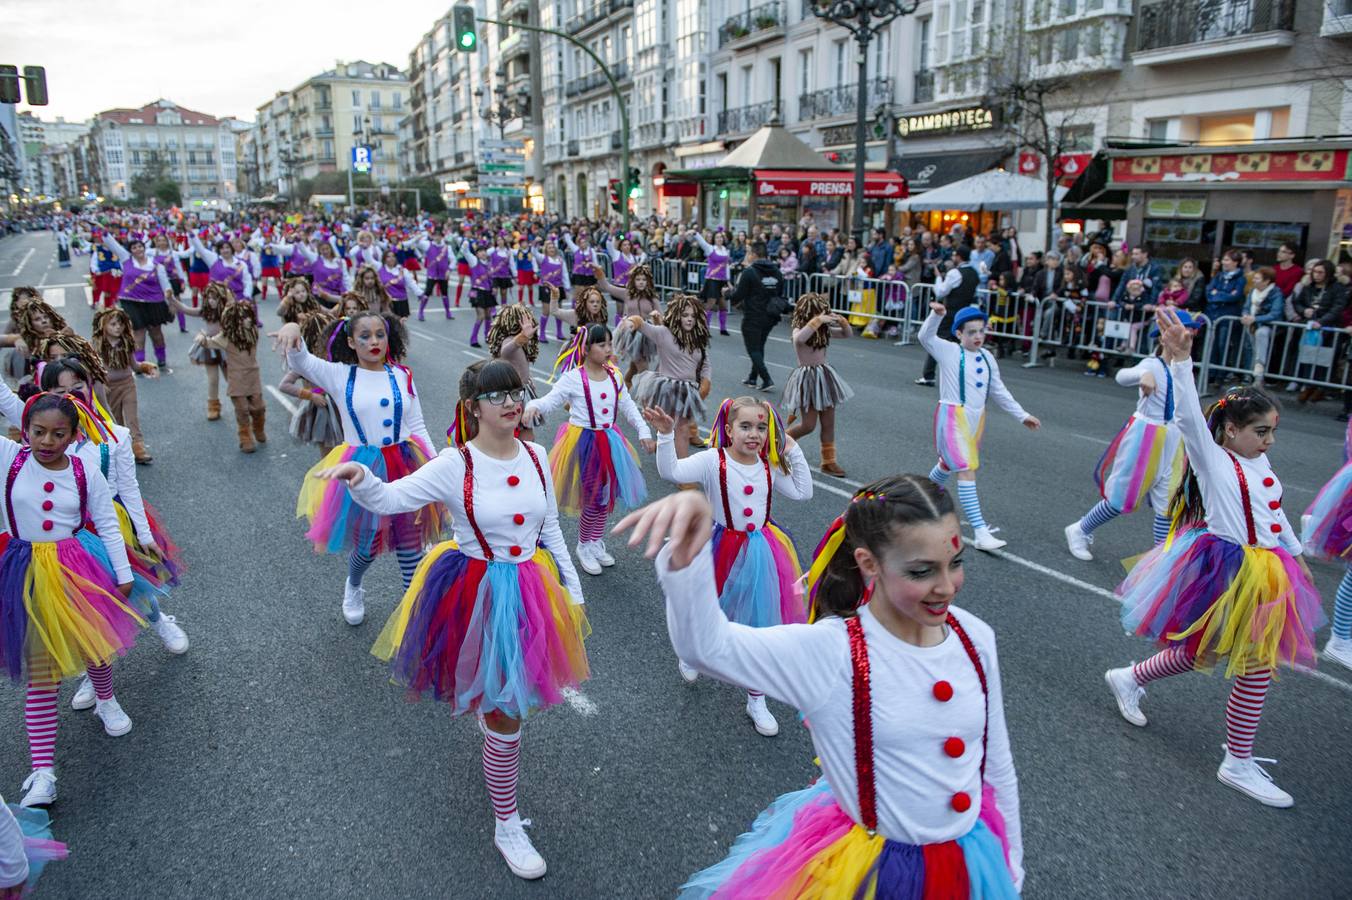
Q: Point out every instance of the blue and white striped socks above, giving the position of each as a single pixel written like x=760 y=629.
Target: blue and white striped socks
x=408 y=564
x=1160 y=528
x=1101 y=514
x=939 y=475
x=357 y=564
x=1342 y=607
x=971 y=506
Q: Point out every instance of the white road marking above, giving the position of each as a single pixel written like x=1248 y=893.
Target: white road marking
x=580 y=701
x=425 y=337
x=88 y=295
x=772 y=337
x=283 y=399
x=27 y=256
x=1089 y=437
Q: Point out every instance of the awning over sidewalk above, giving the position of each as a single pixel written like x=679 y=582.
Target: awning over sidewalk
x=924 y=173
x=996 y=189
x=806 y=183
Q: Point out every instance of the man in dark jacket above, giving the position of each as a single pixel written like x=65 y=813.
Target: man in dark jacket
x=757 y=287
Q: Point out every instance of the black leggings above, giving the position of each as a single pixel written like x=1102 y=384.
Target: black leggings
x=754 y=335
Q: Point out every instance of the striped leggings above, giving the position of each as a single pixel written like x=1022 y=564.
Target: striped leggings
x=40 y=706
x=359 y=562
x=1243 y=710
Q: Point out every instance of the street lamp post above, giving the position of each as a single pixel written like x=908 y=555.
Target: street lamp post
x=505 y=108
x=863 y=19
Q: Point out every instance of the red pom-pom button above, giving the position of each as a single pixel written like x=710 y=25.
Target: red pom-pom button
x=751 y=526
x=1268 y=482
x=748 y=490
x=1276 y=529
x=513 y=481
x=515 y=551
x=46 y=505
x=943 y=691
x=603 y=395
x=747 y=511
x=518 y=519
x=605 y=412
x=48 y=525
x=49 y=487
x=955 y=747
x=961 y=802
x=1274 y=504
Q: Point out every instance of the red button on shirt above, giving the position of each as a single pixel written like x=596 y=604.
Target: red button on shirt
x=605 y=412
x=1276 y=529
x=748 y=490
x=961 y=802
x=603 y=396
x=1268 y=482
x=515 y=551
x=49 y=487
x=46 y=505
x=943 y=691
x=747 y=511
x=954 y=747
x=48 y=525
x=751 y=526
x=518 y=519
x=1274 y=504
x=513 y=481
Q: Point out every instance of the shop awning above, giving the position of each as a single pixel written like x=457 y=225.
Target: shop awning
x=1089 y=196
x=996 y=189
x=923 y=173
x=837 y=183
x=674 y=188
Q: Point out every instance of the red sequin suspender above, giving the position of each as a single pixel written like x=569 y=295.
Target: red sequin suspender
x=723 y=488
x=586 y=394
x=863 y=714
x=1244 y=498
x=468 y=490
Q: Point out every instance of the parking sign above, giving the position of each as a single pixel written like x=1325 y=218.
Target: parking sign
x=361 y=159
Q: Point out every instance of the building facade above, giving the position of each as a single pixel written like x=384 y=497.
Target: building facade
x=312 y=128
x=197 y=150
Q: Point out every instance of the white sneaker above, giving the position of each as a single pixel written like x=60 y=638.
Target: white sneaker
x=517 y=851
x=1247 y=777
x=761 y=716
x=175 y=640
x=115 y=722
x=688 y=674
x=586 y=559
x=1128 y=693
x=1339 y=650
x=1079 y=542
x=602 y=554
x=84 y=695
x=40 y=786
x=354 y=603
x=984 y=540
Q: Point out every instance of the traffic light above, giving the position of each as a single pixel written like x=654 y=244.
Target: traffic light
x=9 y=84
x=466 y=37
x=615 y=194
x=635 y=188
x=35 y=85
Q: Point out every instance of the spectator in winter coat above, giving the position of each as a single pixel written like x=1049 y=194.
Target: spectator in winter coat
x=1225 y=298
x=880 y=252
x=1142 y=269
x=1263 y=306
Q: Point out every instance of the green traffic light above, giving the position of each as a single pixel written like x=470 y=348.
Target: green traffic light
x=467 y=40
x=635 y=192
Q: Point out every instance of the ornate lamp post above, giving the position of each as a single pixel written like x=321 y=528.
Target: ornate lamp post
x=863 y=19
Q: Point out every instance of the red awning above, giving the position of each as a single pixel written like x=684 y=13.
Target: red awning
x=804 y=183
x=672 y=188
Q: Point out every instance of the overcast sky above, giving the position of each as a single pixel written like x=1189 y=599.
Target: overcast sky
x=221 y=59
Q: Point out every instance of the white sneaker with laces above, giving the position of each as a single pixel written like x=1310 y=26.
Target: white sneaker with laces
x=1339 y=650
x=354 y=603
x=84 y=695
x=1247 y=777
x=1128 y=693
x=174 y=638
x=517 y=851
x=40 y=786
x=761 y=716
x=1079 y=542
x=115 y=722
x=687 y=673
x=586 y=559
x=602 y=554
x=985 y=540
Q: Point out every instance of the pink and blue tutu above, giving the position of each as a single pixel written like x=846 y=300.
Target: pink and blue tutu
x=39 y=848
x=757 y=576
x=1249 y=607
x=805 y=845
x=595 y=469
x=1329 y=532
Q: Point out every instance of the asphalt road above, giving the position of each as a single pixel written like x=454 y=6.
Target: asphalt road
x=274 y=758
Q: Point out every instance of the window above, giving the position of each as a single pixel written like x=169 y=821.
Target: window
x=356 y=124
x=722 y=90
x=626 y=38
x=922 y=50
x=882 y=43
x=398 y=100
x=805 y=71
x=776 y=73
x=1158 y=129
x=841 y=54
x=378 y=124
x=1077 y=138
x=356 y=99
x=746 y=86
x=375 y=99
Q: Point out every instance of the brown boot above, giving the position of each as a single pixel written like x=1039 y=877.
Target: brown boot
x=829 y=461
x=260 y=418
x=696 y=439
x=246 y=441
x=213 y=410
x=139 y=451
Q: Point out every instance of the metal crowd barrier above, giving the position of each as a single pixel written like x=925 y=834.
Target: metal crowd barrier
x=1289 y=352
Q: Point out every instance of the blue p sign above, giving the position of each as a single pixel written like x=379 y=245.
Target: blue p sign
x=361 y=159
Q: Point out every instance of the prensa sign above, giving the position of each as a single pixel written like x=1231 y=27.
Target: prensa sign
x=973 y=118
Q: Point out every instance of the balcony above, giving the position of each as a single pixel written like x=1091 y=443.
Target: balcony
x=324 y=131
x=843 y=100
x=615 y=140
x=650 y=134
x=923 y=89
x=746 y=118
x=1094 y=45
x=595 y=145
x=595 y=79
x=755 y=26
x=596 y=12
x=1185 y=30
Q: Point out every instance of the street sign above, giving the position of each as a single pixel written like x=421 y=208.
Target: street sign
x=510 y=180
x=361 y=158
x=502 y=167
x=500 y=191
x=495 y=144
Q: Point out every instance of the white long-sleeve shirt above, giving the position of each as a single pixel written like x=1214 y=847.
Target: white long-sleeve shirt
x=609 y=400
x=365 y=256
x=980 y=371
x=1215 y=468
x=1149 y=406
x=748 y=493
x=808 y=667
x=121 y=475
x=13 y=860
x=513 y=506
x=210 y=256
x=945 y=286
x=373 y=399
x=37 y=524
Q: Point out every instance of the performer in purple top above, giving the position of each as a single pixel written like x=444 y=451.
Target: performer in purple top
x=717 y=263
x=144 y=295
x=398 y=283
x=502 y=269
x=437 y=260
x=481 y=283
x=553 y=271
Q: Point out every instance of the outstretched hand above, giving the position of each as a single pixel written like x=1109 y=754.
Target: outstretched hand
x=287 y=338
x=350 y=474
x=1174 y=336
x=659 y=420
x=684 y=519
x=938 y=308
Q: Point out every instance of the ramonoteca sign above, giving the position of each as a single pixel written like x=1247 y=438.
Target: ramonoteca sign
x=973 y=118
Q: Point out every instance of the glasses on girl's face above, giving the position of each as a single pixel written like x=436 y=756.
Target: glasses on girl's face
x=500 y=398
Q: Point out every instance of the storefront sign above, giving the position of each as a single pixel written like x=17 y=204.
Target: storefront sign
x=877 y=185
x=1256 y=167
x=1192 y=206
x=973 y=118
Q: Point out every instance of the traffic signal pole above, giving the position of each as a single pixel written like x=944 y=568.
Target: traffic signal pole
x=625 y=186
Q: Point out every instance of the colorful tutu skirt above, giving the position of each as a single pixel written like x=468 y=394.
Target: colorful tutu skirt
x=339 y=525
x=153 y=574
x=757 y=576
x=804 y=845
x=957 y=442
x=632 y=344
x=1143 y=454
x=1329 y=533
x=38 y=846
x=677 y=398
x=595 y=469
x=1220 y=601
x=814 y=387
x=59 y=602
x=486 y=636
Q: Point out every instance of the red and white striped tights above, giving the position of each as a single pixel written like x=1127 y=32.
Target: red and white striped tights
x=502 y=765
x=1243 y=710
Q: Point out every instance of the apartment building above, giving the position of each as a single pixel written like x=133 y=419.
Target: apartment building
x=198 y=150
x=56 y=158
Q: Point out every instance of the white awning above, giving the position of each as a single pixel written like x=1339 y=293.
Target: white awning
x=996 y=189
